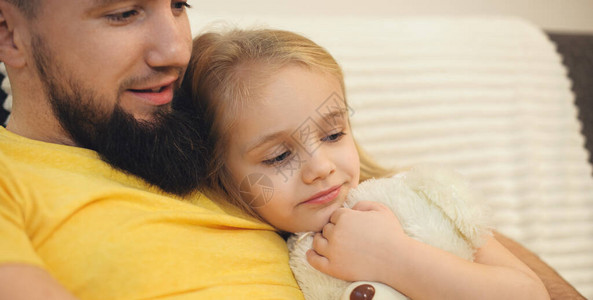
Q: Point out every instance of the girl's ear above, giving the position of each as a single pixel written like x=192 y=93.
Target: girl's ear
x=11 y=50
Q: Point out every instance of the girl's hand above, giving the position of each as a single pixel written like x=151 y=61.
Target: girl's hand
x=357 y=243
x=367 y=243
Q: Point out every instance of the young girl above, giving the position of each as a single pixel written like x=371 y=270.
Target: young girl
x=281 y=149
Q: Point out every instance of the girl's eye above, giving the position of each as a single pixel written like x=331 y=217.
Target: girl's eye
x=333 y=137
x=278 y=159
x=122 y=17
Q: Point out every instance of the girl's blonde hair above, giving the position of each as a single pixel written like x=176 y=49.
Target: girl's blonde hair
x=228 y=69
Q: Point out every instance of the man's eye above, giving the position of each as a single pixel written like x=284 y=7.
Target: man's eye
x=333 y=137
x=122 y=17
x=180 y=5
x=278 y=159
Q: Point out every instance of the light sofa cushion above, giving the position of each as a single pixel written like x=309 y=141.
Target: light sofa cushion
x=488 y=97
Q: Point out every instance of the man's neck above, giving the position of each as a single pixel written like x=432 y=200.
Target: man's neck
x=49 y=131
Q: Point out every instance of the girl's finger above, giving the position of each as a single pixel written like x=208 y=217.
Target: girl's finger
x=320 y=244
x=328 y=230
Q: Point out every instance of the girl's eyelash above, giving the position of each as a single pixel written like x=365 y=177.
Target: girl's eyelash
x=284 y=157
x=280 y=159
x=332 y=138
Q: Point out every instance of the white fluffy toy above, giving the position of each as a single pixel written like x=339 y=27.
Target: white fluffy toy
x=5 y=86
x=433 y=205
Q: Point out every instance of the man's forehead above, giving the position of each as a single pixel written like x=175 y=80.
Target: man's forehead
x=85 y=6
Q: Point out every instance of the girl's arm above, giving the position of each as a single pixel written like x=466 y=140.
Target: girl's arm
x=368 y=243
x=557 y=287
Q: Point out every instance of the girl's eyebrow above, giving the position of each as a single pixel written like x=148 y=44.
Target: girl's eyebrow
x=331 y=116
x=263 y=140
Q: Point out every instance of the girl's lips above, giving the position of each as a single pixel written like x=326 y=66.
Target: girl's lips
x=324 y=196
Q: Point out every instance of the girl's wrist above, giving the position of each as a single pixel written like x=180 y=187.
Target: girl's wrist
x=396 y=260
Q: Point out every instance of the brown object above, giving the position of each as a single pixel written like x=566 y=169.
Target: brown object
x=363 y=292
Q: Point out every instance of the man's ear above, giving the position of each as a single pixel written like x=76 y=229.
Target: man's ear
x=11 y=52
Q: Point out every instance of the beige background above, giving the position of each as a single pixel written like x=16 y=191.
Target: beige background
x=556 y=15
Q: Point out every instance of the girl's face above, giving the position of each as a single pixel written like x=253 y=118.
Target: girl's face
x=292 y=153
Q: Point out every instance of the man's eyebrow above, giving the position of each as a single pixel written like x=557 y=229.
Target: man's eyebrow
x=103 y=3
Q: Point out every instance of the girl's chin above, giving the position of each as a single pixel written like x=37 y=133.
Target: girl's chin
x=317 y=220
x=315 y=224
x=322 y=220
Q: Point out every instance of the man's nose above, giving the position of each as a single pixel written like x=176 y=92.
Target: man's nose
x=169 y=40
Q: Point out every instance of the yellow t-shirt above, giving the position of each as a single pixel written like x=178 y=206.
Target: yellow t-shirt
x=106 y=235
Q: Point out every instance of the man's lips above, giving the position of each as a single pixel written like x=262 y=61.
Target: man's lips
x=324 y=196
x=155 y=95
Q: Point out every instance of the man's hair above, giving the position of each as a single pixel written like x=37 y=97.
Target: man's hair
x=27 y=7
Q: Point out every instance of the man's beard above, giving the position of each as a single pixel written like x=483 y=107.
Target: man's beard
x=166 y=151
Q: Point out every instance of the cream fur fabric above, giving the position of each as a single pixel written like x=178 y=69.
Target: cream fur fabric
x=434 y=205
x=5 y=86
